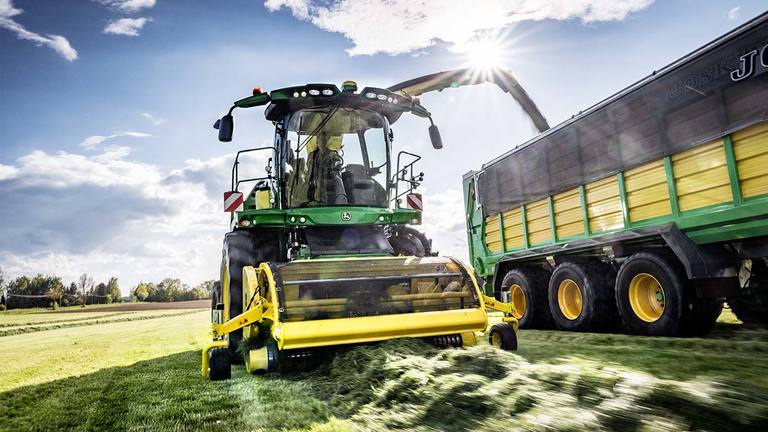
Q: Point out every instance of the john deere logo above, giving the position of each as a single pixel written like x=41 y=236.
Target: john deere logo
x=345 y=216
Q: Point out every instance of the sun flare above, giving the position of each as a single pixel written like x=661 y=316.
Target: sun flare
x=485 y=54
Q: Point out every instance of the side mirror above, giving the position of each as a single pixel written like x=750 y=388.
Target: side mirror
x=434 y=136
x=225 y=125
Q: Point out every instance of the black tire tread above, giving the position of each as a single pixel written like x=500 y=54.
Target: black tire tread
x=508 y=336
x=607 y=314
x=540 y=316
x=597 y=283
x=687 y=321
x=219 y=364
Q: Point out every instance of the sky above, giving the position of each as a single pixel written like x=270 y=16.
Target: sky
x=108 y=161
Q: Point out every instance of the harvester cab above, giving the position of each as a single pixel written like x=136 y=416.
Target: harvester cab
x=322 y=251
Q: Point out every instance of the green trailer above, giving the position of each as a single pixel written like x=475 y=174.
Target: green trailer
x=649 y=208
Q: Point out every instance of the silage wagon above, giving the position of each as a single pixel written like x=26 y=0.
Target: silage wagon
x=650 y=207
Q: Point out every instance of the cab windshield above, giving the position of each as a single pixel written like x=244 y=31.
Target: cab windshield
x=336 y=156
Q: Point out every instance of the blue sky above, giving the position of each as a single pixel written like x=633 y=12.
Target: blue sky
x=109 y=164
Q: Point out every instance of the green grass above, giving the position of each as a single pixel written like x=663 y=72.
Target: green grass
x=95 y=320
x=144 y=376
x=17 y=319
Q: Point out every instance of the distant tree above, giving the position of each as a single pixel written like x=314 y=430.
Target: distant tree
x=3 y=298
x=24 y=292
x=56 y=292
x=84 y=286
x=141 y=292
x=207 y=286
x=70 y=295
x=113 y=290
x=99 y=294
x=167 y=290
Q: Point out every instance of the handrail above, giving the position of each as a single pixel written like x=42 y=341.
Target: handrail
x=397 y=178
x=235 y=170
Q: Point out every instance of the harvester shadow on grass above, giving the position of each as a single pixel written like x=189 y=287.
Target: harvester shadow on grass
x=557 y=380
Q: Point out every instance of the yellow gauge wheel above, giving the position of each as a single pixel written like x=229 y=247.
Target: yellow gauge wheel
x=517 y=297
x=496 y=340
x=569 y=299
x=646 y=296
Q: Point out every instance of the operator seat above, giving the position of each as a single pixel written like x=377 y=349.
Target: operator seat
x=359 y=185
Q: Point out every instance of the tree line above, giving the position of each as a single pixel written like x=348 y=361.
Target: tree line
x=49 y=291
x=170 y=290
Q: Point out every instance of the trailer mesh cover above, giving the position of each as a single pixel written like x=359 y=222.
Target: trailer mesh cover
x=691 y=103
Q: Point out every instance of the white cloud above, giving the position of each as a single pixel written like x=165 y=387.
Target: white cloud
x=444 y=222
x=7 y=172
x=126 y=26
x=402 y=26
x=108 y=215
x=94 y=140
x=129 y=6
x=157 y=121
x=734 y=13
x=58 y=43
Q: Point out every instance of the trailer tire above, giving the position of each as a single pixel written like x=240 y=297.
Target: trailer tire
x=748 y=312
x=581 y=296
x=702 y=316
x=219 y=364
x=653 y=296
x=530 y=283
x=503 y=336
x=751 y=307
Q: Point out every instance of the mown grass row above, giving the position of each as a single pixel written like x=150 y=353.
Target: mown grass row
x=80 y=323
x=38 y=322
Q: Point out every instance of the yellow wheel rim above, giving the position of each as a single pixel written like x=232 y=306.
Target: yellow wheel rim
x=517 y=297
x=569 y=299
x=646 y=297
x=496 y=340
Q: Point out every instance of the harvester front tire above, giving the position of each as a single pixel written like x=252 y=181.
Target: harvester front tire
x=406 y=244
x=531 y=283
x=653 y=296
x=219 y=364
x=243 y=248
x=581 y=296
x=503 y=336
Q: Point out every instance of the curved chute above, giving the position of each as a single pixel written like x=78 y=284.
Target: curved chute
x=464 y=77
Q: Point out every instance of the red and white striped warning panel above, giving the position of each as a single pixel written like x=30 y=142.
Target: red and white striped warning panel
x=233 y=201
x=414 y=201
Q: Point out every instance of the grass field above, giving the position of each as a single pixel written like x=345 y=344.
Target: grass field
x=143 y=375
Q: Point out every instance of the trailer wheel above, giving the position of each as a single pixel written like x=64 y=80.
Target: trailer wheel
x=652 y=297
x=219 y=363
x=702 y=316
x=751 y=307
x=749 y=312
x=528 y=294
x=581 y=296
x=503 y=336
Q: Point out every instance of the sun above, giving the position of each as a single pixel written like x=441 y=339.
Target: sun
x=485 y=54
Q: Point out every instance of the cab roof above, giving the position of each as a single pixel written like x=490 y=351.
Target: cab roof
x=291 y=99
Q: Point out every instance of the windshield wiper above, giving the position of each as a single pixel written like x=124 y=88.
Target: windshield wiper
x=317 y=129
